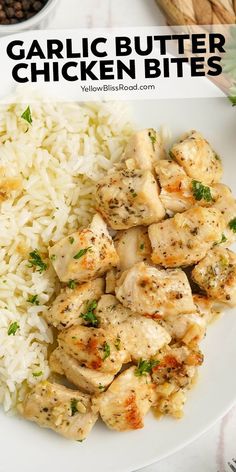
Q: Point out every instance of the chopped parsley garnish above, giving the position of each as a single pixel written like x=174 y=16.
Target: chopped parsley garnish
x=71 y=239
x=141 y=246
x=33 y=299
x=101 y=387
x=73 y=406
x=35 y=260
x=217 y=157
x=201 y=192
x=82 y=252
x=89 y=317
x=53 y=257
x=107 y=350
x=71 y=284
x=153 y=138
x=172 y=156
x=117 y=343
x=27 y=116
x=232 y=225
x=145 y=367
x=13 y=328
x=223 y=239
x=37 y=374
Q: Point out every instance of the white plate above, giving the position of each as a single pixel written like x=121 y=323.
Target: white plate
x=26 y=447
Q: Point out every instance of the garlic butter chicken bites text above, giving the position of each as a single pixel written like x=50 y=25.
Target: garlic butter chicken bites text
x=128 y=324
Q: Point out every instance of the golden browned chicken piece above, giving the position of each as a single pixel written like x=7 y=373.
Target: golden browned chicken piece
x=71 y=305
x=185 y=239
x=129 y=198
x=174 y=374
x=87 y=380
x=198 y=158
x=143 y=150
x=155 y=292
x=127 y=400
x=226 y=203
x=133 y=245
x=141 y=336
x=85 y=254
x=216 y=274
x=178 y=191
x=68 y=412
x=94 y=348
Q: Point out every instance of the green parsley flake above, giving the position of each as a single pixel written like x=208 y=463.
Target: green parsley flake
x=153 y=138
x=145 y=367
x=142 y=246
x=37 y=374
x=89 y=317
x=107 y=350
x=73 y=406
x=35 y=260
x=223 y=239
x=53 y=257
x=71 y=239
x=27 y=116
x=71 y=284
x=13 y=328
x=101 y=387
x=201 y=192
x=82 y=252
x=217 y=157
x=33 y=299
x=232 y=225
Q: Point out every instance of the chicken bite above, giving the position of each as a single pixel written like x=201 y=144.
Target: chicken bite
x=143 y=150
x=71 y=304
x=94 y=348
x=68 y=412
x=141 y=336
x=129 y=198
x=133 y=246
x=216 y=274
x=175 y=372
x=178 y=191
x=110 y=312
x=197 y=158
x=226 y=204
x=185 y=239
x=123 y=406
x=190 y=328
x=155 y=292
x=206 y=308
x=87 y=380
x=85 y=254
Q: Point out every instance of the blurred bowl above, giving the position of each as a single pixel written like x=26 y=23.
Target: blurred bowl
x=39 y=21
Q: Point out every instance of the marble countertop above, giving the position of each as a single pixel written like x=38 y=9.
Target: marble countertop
x=215 y=451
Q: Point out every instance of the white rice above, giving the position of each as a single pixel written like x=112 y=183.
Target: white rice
x=57 y=161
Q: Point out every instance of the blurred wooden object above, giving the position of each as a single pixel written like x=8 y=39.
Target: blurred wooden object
x=199 y=12
x=194 y=14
